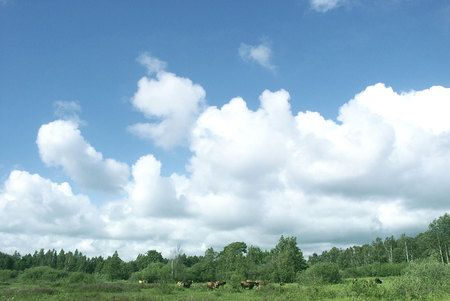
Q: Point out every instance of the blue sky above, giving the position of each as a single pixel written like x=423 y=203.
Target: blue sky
x=323 y=53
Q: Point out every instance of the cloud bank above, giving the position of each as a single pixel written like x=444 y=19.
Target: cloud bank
x=379 y=169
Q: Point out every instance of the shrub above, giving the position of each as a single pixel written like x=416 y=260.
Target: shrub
x=152 y=273
x=235 y=281
x=80 y=277
x=375 y=270
x=321 y=273
x=427 y=278
x=6 y=275
x=43 y=274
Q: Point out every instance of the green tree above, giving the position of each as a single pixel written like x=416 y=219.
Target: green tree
x=232 y=261
x=321 y=273
x=114 y=268
x=143 y=260
x=286 y=260
x=439 y=230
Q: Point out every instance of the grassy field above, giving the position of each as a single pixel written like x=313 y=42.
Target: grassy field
x=169 y=291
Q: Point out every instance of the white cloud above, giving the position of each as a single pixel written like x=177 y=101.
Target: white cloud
x=32 y=204
x=174 y=101
x=260 y=54
x=150 y=194
x=380 y=169
x=153 y=65
x=60 y=144
x=325 y=5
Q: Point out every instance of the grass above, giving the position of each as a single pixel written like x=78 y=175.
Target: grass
x=123 y=290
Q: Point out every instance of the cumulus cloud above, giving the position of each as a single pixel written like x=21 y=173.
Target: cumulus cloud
x=174 y=101
x=60 y=144
x=380 y=169
x=260 y=54
x=324 y=5
x=280 y=171
x=32 y=204
x=153 y=195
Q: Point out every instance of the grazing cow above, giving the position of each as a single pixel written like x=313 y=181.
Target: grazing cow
x=248 y=284
x=179 y=283
x=210 y=285
x=378 y=281
x=220 y=283
x=187 y=284
x=141 y=282
x=282 y=284
x=355 y=280
x=260 y=283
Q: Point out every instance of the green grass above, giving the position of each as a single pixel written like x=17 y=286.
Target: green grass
x=123 y=290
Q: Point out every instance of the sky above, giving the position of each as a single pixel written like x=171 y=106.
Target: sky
x=183 y=125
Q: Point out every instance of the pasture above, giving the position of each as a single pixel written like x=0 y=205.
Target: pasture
x=392 y=288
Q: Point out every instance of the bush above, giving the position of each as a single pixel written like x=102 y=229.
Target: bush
x=6 y=275
x=235 y=281
x=368 y=290
x=424 y=279
x=375 y=270
x=321 y=273
x=79 y=277
x=152 y=273
x=43 y=274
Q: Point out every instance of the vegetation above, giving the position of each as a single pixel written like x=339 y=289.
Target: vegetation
x=411 y=268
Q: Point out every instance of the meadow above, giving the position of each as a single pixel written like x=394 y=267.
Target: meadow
x=71 y=288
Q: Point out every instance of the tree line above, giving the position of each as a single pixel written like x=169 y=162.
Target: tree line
x=435 y=242
x=284 y=263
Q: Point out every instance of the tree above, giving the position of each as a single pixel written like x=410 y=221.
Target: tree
x=143 y=260
x=439 y=230
x=114 y=268
x=61 y=260
x=287 y=260
x=255 y=260
x=231 y=260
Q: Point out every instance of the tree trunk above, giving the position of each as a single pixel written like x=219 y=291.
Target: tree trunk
x=440 y=251
x=406 y=250
x=446 y=253
x=392 y=256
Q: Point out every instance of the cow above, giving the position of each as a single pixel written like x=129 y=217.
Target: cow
x=282 y=284
x=187 y=284
x=141 y=281
x=260 y=283
x=210 y=285
x=179 y=283
x=355 y=280
x=220 y=283
x=378 y=281
x=248 y=284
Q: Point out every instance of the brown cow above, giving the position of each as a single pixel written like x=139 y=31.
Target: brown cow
x=220 y=283
x=210 y=285
x=260 y=283
x=248 y=284
x=378 y=281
